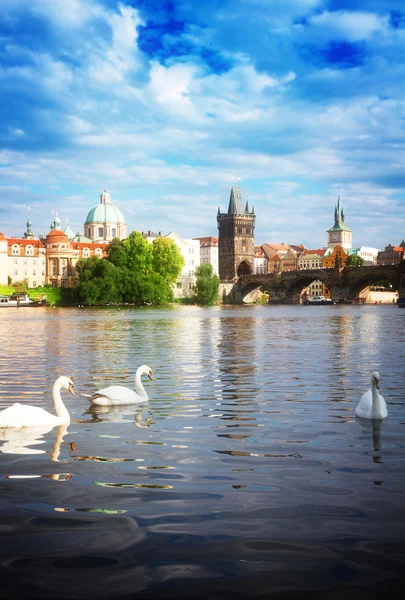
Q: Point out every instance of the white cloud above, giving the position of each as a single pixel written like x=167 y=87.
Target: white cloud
x=347 y=25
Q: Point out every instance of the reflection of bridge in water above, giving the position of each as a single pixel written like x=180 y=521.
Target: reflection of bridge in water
x=344 y=284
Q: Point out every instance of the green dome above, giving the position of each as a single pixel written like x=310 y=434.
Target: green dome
x=105 y=212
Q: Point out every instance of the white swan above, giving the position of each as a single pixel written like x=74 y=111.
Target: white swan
x=116 y=395
x=372 y=405
x=22 y=415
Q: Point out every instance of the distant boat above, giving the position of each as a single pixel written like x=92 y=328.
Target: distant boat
x=19 y=299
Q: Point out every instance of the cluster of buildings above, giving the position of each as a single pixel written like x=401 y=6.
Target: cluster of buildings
x=51 y=259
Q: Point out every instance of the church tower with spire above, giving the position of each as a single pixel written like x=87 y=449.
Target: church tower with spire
x=236 y=245
x=29 y=234
x=339 y=234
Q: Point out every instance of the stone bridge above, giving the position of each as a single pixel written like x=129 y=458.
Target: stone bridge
x=344 y=284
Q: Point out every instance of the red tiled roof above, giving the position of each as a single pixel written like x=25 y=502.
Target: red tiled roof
x=398 y=249
x=319 y=252
x=89 y=245
x=207 y=241
x=277 y=246
x=57 y=235
x=24 y=242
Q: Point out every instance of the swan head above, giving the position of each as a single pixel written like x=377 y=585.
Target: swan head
x=144 y=369
x=375 y=379
x=66 y=384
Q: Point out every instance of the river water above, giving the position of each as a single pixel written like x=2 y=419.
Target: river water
x=246 y=475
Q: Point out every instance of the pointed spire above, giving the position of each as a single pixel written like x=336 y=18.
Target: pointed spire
x=247 y=207
x=339 y=223
x=29 y=234
x=235 y=206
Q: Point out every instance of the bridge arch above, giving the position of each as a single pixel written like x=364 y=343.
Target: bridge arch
x=303 y=279
x=369 y=279
x=244 y=268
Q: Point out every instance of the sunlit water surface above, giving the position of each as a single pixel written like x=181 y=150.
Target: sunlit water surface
x=246 y=475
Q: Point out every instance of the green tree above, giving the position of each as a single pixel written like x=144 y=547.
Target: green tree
x=98 y=280
x=116 y=253
x=207 y=286
x=354 y=260
x=167 y=259
x=138 y=253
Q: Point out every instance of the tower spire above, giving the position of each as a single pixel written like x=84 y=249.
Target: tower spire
x=29 y=234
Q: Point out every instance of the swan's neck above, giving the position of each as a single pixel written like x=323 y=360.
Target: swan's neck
x=140 y=390
x=60 y=408
x=375 y=405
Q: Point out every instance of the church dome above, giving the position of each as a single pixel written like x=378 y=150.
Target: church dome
x=105 y=212
x=55 y=236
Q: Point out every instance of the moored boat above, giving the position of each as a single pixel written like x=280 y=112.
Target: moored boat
x=19 y=299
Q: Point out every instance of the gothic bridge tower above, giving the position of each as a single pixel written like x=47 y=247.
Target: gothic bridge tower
x=236 y=246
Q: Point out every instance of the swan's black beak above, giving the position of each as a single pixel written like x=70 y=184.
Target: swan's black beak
x=150 y=375
x=377 y=384
x=71 y=389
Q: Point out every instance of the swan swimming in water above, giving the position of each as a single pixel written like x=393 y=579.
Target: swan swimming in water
x=116 y=395
x=22 y=415
x=372 y=405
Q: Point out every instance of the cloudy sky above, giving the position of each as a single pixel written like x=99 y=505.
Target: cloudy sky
x=165 y=102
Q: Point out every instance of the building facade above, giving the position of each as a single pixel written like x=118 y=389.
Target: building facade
x=260 y=261
x=190 y=249
x=236 y=247
x=209 y=252
x=26 y=261
x=369 y=255
x=62 y=254
x=391 y=255
x=336 y=258
x=3 y=260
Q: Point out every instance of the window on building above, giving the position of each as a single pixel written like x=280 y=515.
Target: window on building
x=15 y=250
x=54 y=284
x=16 y=261
x=29 y=251
x=89 y=233
x=178 y=284
x=15 y=272
x=34 y=284
x=100 y=232
x=190 y=286
x=54 y=268
x=86 y=253
x=114 y=232
x=34 y=272
x=63 y=283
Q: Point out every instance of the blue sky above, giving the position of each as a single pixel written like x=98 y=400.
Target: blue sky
x=164 y=102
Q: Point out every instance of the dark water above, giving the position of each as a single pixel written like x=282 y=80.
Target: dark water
x=247 y=474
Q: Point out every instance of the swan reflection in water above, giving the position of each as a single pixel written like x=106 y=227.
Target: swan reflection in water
x=117 y=414
x=374 y=426
x=17 y=441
